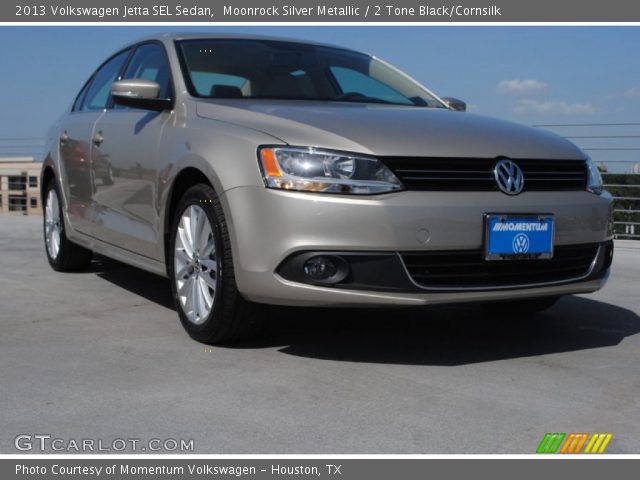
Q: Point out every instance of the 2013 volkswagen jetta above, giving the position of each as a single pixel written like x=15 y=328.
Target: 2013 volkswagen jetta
x=254 y=171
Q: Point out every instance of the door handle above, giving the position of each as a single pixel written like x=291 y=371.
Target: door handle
x=63 y=138
x=98 y=139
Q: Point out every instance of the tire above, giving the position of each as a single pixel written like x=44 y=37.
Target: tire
x=107 y=179
x=526 y=307
x=205 y=294
x=63 y=255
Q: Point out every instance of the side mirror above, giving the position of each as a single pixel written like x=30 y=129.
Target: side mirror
x=455 y=104
x=139 y=93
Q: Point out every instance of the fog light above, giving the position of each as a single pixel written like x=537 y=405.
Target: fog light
x=325 y=269
x=320 y=268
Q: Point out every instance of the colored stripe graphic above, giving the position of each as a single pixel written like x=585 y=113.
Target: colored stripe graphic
x=550 y=442
x=598 y=443
x=574 y=442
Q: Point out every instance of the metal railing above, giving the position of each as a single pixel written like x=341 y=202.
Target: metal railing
x=21 y=146
x=615 y=145
x=627 y=219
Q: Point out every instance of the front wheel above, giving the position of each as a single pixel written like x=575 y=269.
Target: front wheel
x=205 y=294
x=62 y=254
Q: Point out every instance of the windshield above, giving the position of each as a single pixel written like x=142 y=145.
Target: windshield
x=225 y=68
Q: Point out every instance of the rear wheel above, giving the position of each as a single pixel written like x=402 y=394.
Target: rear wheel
x=62 y=254
x=202 y=277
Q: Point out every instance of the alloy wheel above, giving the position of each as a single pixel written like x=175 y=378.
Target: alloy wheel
x=53 y=226
x=195 y=264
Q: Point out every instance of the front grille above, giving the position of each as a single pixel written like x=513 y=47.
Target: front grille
x=476 y=174
x=468 y=269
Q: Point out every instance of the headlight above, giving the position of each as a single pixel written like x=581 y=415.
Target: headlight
x=312 y=170
x=594 y=179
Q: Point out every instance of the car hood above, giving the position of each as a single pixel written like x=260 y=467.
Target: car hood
x=388 y=129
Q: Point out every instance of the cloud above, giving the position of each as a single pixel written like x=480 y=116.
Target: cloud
x=633 y=92
x=553 y=107
x=521 y=87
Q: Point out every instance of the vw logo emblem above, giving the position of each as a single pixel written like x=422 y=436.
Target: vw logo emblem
x=509 y=177
x=520 y=243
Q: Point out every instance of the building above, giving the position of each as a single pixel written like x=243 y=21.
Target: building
x=20 y=185
x=635 y=169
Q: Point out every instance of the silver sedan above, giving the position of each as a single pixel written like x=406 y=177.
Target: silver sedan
x=254 y=170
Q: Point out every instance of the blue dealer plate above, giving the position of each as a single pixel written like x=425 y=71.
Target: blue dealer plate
x=517 y=237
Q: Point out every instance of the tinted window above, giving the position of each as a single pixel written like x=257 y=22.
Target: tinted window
x=222 y=68
x=352 y=81
x=99 y=92
x=206 y=82
x=149 y=62
x=80 y=98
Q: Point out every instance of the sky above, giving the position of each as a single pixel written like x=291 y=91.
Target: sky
x=532 y=75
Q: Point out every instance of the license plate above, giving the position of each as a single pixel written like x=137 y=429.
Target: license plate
x=518 y=237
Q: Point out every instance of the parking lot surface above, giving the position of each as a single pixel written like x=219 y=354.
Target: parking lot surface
x=101 y=355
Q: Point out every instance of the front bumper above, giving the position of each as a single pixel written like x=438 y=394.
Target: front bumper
x=269 y=226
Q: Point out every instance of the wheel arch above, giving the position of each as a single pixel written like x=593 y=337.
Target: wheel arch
x=185 y=178
x=47 y=174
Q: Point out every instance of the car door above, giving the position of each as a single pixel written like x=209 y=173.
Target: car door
x=124 y=166
x=75 y=133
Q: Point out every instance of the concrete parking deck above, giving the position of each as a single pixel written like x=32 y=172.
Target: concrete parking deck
x=102 y=355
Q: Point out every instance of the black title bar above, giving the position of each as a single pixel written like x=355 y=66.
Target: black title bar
x=290 y=11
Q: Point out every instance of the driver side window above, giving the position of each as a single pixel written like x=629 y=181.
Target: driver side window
x=149 y=62
x=98 y=94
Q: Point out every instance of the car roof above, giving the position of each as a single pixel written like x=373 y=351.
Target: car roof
x=171 y=36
